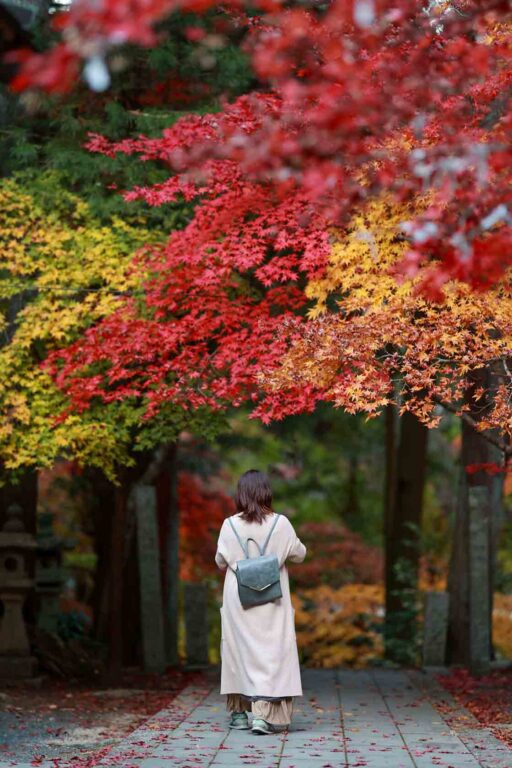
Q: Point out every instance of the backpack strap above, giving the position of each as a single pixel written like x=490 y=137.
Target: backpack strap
x=255 y=542
x=245 y=548
x=270 y=534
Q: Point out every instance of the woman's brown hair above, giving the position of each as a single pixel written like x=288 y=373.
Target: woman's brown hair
x=253 y=496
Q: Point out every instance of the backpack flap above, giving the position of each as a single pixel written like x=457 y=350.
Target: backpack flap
x=258 y=573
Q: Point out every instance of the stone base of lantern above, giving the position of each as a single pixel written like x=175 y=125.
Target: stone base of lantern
x=17 y=667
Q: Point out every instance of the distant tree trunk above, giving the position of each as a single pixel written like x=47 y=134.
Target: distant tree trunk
x=389 y=488
x=497 y=510
x=132 y=630
x=116 y=598
x=496 y=520
x=352 y=507
x=116 y=585
x=403 y=539
x=464 y=614
x=173 y=563
x=169 y=519
x=101 y=502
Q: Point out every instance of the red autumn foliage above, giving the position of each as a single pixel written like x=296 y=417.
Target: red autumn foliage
x=488 y=698
x=337 y=556
x=217 y=292
x=103 y=717
x=369 y=97
x=357 y=101
x=491 y=468
x=202 y=512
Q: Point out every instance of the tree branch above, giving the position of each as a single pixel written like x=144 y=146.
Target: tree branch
x=504 y=447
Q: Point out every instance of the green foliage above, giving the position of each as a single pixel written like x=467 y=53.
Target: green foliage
x=401 y=625
x=62 y=269
x=68 y=237
x=310 y=460
x=159 y=86
x=73 y=625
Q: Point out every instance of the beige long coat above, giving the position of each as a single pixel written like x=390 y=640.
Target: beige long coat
x=258 y=647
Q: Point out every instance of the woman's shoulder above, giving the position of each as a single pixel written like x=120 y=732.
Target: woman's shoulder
x=237 y=518
x=230 y=519
x=284 y=521
x=281 y=522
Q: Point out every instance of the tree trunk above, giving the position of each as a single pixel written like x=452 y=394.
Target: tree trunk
x=403 y=540
x=389 y=489
x=496 y=509
x=496 y=521
x=132 y=629
x=116 y=585
x=101 y=502
x=352 y=506
x=167 y=490
x=474 y=528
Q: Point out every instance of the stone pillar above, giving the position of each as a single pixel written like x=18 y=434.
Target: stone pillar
x=196 y=624
x=15 y=584
x=435 y=629
x=152 y=620
x=479 y=604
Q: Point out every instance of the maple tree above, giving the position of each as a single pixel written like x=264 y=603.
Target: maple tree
x=274 y=175
x=372 y=339
x=366 y=98
x=366 y=112
x=336 y=556
x=217 y=332
x=63 y=270
x=215 y=295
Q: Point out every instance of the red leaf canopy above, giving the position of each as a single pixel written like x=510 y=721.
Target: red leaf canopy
x=364 y=98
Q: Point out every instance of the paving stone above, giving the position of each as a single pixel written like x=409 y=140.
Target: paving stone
x=381 y=761
x=287 y=763
x=232 y=761
x=347 y=718
x=457 y=760
x=10 y=764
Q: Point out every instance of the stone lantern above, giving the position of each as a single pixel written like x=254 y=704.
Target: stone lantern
x=49 y=573
x=16 y=546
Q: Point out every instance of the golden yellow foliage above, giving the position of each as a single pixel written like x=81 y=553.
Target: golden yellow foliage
x=61 y=271
x=340 y=627
x=343 y=627
x=371 y=327
x=502 y=625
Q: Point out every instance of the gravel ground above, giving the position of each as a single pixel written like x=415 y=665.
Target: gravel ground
x=50 y=719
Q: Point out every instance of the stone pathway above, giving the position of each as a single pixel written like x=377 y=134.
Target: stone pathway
x=376 y=719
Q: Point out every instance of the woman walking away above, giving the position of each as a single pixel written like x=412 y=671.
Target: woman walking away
x=260 y=663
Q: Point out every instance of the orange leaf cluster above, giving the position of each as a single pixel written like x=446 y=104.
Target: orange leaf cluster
x=372 y=339
x=340 y=627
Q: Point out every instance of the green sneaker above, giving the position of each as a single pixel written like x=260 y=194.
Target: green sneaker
x=239 y=721
x=263 y=728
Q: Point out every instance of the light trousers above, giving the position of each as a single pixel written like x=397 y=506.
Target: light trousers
x=275 y=712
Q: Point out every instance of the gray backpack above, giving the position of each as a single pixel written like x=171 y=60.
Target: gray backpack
x=258 y=577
